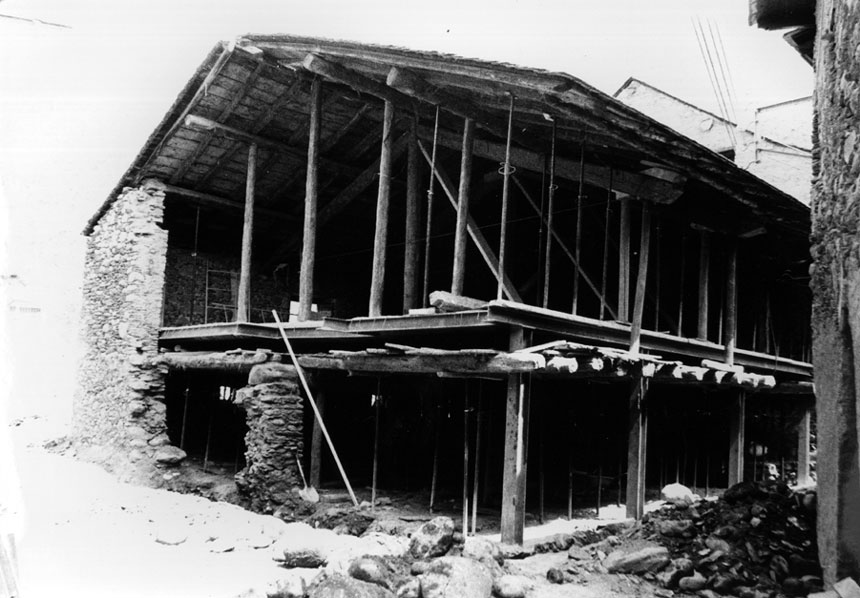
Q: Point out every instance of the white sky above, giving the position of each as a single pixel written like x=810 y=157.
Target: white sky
x=77 y=104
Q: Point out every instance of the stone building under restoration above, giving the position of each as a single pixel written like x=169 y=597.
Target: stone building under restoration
x=484 y=270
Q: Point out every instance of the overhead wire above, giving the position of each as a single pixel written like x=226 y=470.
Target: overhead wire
x=706 y=58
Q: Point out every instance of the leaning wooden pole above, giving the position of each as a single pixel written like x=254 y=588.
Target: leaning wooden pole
x=380 y=236
x=309 y=234
x=411 y=245
x=313 y=404
x=506 y=178
x=458 y=274
x=243 y=301
x=641 y=280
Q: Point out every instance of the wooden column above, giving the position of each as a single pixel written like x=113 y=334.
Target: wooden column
x=730 y=328
x=637 y=436
x=804 y=429
x=736 y=439
x=243 y=301
x=380 y=237
x=516 y=450
x=316 y=441
x=704 y=273
x=309 y=234
x=459 y=271
x=410 y=251
x=624 y=262
x=641 y=280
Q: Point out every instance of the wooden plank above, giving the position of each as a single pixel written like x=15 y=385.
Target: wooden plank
x=474 y=231
x=413 y=218
x=515 y=456
x=804 y=428
x=637 y=434
x=624 y=262
x=704 y=274
x=309 y=231
x=458 y=271
x=737 y=425
x=243 y=300
x=380 y=235
x=730 y=329
x=641 y=281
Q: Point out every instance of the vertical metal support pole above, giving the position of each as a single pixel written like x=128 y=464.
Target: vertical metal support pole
x=466 y=459
x=478 y=431
x=506 y=177
x=377 y=405
x=243 y=301
x=380 y=235
x=309 y=234
x=605 y=270
x=681 y=276
x=736 y=439
x=435 y=473
x=578 y=243
x=458 y=273
x=704 y=273
x=549 y=218
x=429 y=224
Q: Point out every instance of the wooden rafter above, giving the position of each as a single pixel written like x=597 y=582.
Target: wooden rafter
x=208 y=198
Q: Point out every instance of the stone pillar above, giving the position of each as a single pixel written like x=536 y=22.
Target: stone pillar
x=119 y=411
x=835 y=281
x=274 y=407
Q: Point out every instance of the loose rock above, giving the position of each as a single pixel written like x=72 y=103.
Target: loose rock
x=646 y=557
x=432 y=539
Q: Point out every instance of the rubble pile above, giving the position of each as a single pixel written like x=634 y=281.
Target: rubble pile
x=757 y=540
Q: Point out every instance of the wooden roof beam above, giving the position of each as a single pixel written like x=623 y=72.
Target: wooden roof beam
x=636 y=185
x=208 y=198
x=355 y=80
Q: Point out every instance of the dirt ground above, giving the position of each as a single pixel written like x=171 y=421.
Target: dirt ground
x=86 y=534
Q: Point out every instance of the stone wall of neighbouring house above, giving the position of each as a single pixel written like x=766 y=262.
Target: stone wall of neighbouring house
x=835 y=281
x=273 y=404
x=185 y=289
x=119 y=410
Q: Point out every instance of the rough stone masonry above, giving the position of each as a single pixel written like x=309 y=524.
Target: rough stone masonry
x=119 y=411
x=835 y=280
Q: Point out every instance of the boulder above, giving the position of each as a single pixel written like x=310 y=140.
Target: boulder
x=485 y=552
x=341 y=586
x=578 y=553
x=170 y=455
x=676 y=528
x=693 y=583
x=456 y=577
x=637 y=557
x=677 y=493
x=674 y=571
x=373 y=569
x=434 y=538
x=512 y=586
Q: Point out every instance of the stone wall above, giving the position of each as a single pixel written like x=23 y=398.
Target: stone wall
x=185 y=288
x=273 y=404
x=835 y=280
x=119 y=410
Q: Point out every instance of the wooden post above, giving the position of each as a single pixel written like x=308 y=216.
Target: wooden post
x=316 y=442
x=309 y=234
x=730 y=329
x=243 y=301
x=435 y=472
x=380 y=236
x=637 y=434
x=516 y=447
x=704 y=271
x=605 y=269
x=624 y=263
x=803 y=432
x=478 y=431
x=466 y=458
x=458 y=273
x=410 y=252
x=736 y=439
x=641 y=280
x=681 y=274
